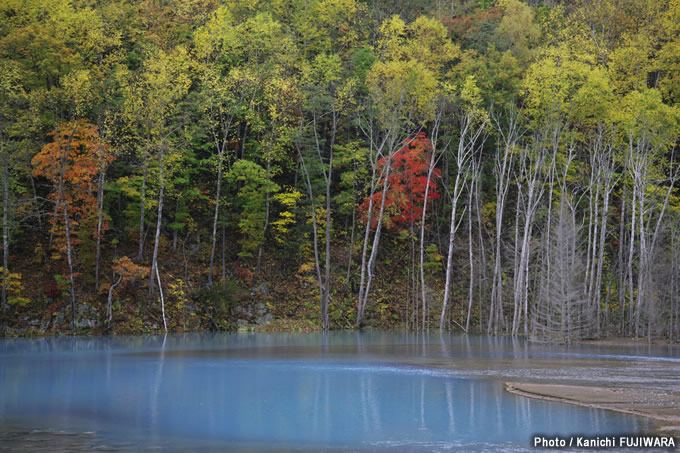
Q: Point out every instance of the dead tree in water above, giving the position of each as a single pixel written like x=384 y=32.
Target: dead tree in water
x=562 y=316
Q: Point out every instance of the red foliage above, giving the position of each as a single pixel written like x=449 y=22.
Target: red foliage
x=459 y=27
x=245 y=275
x=51 y=289
x=405 y=192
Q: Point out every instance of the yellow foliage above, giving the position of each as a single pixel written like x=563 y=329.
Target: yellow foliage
x=14 y=288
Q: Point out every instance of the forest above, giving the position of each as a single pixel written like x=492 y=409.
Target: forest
x=505 y=167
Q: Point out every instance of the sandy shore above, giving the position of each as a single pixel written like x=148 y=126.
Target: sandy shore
x=662 y=406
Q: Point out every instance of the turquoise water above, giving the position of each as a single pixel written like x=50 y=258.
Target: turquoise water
x=253 y=392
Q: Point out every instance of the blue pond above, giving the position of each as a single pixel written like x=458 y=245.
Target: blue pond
x=279 y=392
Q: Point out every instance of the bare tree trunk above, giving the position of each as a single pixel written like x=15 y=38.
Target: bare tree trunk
x=109 y=300
x=315 y=241
x=69 y=255
x=156 y=246
x=367 y=232
x=434 y=141
x=367 y=267
x=327 y=277
x=5 y=230
x=328 y=176
x=642 y=266
x=352 y=240
x=422 y=230
x=267 y=201
x=470 y=255
x=631 y=290
x=647 y=252
x=516 y=255
x=160 y=290
x=503 y=167
x=621 y=268
x=224 y=257
x=382 y=135
x=351 y=250
x=458 y=187
x=606 y=170
x=531 y=169
x=100 y=209
x=69 y=250
x=370 y=267
x=141 y=213
x=468 y=144
x=482 y=251
x=220 y=145
x=671 y=318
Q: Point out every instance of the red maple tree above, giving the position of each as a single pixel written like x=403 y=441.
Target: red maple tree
x=405 y=193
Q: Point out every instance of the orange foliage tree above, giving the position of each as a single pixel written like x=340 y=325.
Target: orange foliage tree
x=126 y=270
x=71 y=163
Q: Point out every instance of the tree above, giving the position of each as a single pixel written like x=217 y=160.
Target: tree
x=253 y=188
x=408 y=186
x=472 y=120
x=563 y=317
x=69 y=162
x=326 y=98
x=157 y=96
x=126 y=269
x=402 y=86
x=12 y=96
x=650 y=128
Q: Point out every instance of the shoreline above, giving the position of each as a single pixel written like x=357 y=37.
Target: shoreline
x=662 y=407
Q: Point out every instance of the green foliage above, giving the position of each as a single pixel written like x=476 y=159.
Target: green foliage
x=63 y=284
x=433 y=259
x=219 y=299
x=252 y=188
x=342 y=313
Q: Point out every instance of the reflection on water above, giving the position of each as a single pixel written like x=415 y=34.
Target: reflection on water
x=279 y=391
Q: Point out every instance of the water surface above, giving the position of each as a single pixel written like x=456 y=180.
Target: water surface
x=367 y=391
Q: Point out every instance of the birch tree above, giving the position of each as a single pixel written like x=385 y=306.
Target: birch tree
x=472 y=121
x=162 y=85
